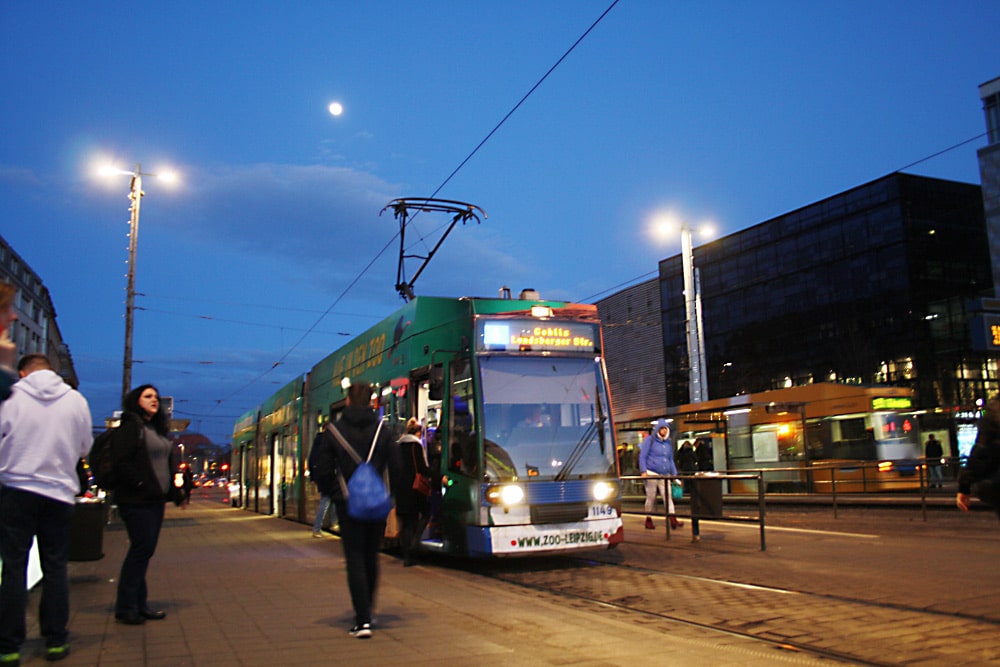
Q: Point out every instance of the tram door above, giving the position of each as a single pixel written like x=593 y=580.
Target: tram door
x=276 y=497
x=428 y=411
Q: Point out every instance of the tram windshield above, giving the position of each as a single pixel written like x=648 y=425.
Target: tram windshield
x=545 y=418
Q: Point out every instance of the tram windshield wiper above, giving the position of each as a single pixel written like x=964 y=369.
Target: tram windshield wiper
x=578 y=450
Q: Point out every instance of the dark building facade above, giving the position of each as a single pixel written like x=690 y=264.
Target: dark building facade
x=871 y=286
x=633 y=351
x=989 y=169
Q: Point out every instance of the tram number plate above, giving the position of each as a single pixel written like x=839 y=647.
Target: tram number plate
x=601 y=512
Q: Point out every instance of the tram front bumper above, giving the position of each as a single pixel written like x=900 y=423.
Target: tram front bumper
x=528 y=538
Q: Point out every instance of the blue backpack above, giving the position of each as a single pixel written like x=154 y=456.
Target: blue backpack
x=367 y=497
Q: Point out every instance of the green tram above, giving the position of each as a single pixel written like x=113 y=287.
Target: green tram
x=514 y=398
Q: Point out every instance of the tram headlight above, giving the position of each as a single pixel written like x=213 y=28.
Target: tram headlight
x=605 y=490
x=505 y=494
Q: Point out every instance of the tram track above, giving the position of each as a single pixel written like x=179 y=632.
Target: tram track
x=901 y=607
x=624 y=605
x=828 y=626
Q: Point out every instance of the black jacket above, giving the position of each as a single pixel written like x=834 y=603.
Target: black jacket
x=411 y=461
x=136 y=483
x=328 y=458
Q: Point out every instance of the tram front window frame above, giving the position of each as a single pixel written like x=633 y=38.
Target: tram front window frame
x=545 y=418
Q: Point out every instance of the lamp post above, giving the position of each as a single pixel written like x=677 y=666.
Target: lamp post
x=698 y=386
x=135 y=197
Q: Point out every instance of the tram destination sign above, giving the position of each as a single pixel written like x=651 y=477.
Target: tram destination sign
x=530 y=335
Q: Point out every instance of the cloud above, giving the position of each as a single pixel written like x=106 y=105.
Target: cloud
x=283 y=210
x=19 y=176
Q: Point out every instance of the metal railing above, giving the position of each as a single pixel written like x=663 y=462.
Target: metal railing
x=838 y=480
x=697 y=479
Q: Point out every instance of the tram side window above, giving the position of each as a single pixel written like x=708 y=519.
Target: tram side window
x=852 y=439
x=463 y=451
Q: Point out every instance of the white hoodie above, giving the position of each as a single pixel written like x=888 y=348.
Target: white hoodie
x=45 y=429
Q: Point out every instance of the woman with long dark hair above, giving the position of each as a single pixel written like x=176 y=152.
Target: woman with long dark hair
x=145 y=463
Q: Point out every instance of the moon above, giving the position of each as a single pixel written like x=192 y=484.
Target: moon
x=336 y=108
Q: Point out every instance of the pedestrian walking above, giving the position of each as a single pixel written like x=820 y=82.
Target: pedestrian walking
x=45 y=430
x=656 y=458
x=147 y=469
x=331 y=468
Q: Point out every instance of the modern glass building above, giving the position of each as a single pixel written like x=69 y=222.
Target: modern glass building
x=875 y=285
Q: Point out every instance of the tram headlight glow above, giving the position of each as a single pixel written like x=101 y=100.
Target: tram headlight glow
x=605 y=490
x=505 y=494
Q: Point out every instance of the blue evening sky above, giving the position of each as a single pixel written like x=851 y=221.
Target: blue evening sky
x=730 y=112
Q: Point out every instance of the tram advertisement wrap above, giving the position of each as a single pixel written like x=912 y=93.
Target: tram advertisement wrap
x=523 y=539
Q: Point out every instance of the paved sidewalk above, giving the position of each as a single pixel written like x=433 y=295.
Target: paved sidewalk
x=244 y=589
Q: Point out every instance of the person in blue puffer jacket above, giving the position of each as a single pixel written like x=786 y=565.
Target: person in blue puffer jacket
x=656 y=458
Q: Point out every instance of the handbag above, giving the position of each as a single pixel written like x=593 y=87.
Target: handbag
x=676 y=490
x=367 y=497
x=421 y=483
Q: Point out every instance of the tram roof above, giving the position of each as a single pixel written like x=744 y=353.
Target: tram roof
x=831 y=393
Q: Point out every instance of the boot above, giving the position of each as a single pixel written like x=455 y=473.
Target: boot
x=674 y=523
x=649 y=523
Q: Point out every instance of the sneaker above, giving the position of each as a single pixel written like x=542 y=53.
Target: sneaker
x=54 y=653
x=649 y=523
x=696 y=538
x=317 y=533
x=10 y=660
x=363 y=631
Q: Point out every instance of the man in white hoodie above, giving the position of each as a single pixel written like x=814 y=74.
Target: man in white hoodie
x=45 y=429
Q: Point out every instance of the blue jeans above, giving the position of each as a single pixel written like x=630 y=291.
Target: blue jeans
x=143 y=523
x=325 y=503
x=25 y=516
x=937 y=474
x=361 y=542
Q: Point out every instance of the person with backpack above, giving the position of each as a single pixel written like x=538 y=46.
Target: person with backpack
x=44 y=431
x=146 y=467
x=331 y=466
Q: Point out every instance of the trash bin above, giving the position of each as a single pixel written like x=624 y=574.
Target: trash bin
x=86 y=537
x=706 y=500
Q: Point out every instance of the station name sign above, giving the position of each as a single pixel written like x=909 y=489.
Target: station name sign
x=537 y=336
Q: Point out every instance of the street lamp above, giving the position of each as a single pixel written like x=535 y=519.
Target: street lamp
x=135 y=196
